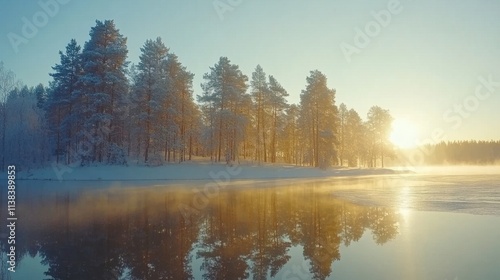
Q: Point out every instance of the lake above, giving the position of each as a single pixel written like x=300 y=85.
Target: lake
x=380 y=227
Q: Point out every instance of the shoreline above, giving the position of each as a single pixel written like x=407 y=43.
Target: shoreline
x=196 y=171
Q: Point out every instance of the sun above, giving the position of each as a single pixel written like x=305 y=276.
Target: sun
x=404 y=134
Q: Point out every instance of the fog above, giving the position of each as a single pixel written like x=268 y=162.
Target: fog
x=452 y=169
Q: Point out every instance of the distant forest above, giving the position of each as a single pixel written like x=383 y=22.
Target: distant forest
x=463 y=152
x=100 y=109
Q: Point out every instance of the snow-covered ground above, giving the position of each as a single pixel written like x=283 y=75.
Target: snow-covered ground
x=193 y=171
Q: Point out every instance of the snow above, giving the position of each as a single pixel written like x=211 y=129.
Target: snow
x=193 y=171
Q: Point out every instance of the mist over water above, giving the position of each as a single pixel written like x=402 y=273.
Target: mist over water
x=458 y=169
x=331 y=228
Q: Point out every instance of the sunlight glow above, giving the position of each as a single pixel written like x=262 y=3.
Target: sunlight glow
x=404 y=134
x=405 y=204
x=405 y=213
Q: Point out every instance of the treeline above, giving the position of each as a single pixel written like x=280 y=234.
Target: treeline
x=100 y=109
x=464 y=152
x=23 y=129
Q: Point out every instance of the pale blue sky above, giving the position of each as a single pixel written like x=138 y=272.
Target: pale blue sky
x=427 y=59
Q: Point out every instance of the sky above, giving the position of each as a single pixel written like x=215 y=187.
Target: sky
x=433 y=64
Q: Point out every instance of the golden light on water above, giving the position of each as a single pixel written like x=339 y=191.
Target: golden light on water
x=405 y=202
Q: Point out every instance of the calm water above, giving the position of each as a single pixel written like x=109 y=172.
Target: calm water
x=414 y=227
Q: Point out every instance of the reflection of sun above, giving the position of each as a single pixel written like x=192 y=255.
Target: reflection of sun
x=405 y=203
x=404 y=134
x=405 y=213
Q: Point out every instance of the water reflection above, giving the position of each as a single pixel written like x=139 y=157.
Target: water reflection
x=144 y=233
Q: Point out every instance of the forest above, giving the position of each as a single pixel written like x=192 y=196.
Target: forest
x=463 y=152
x=99 y=108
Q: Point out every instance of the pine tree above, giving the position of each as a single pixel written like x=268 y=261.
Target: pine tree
x=277 y=96
x=180 y=109
x=353 y=138
x=223 y=94
x=247 y=110
x=342 y=132
x=62 y=101
x=104 y=92
x=318 y=121
x=25 y=142
x=41 y=96
x=7 y=84
x=260 y=93
x=291 y=143
x=379 y=126
x=149 y=93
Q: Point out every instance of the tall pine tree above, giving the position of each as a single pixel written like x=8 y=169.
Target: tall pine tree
x=62 y=102
x=225 y=91
x=260 y=96
x=149 y=94
x=104 y=92
x=180 y=109
x=318 y=120
x=277 y=96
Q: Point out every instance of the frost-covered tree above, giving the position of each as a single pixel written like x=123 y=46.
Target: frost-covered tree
x=148 y=95
x=164 y=115
x=379 y=127
x=354 y=138
x=26 y=141
x=41 y=96
x=247 y=110
x=22 y=131
x=103 y=94
x=224 y=91
x=207 y=131
x=62 y=102
x=277 y=100
x=260 y=96
x=318 y=121
x=180 y=110
x=291 y=144
x=342 y=132
x=7 y=84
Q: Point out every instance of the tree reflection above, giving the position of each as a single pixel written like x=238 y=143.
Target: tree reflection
x=158 y=241
x=225 y=239
x=384 y=224
x=239 y=234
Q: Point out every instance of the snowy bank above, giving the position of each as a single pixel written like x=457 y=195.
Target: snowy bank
x=193 y=171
